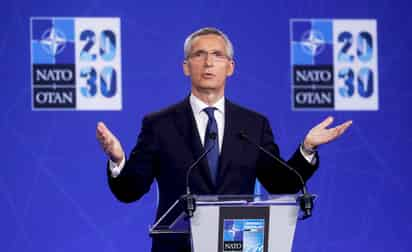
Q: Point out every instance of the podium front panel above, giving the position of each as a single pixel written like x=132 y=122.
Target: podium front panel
x=213 y=225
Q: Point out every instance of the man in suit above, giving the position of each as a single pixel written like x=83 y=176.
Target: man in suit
x=172 y=139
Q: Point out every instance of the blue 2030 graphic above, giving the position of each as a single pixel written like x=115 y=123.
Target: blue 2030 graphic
x=107 y=52
x=363 y=83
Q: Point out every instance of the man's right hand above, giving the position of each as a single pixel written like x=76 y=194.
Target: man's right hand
x=109 y=142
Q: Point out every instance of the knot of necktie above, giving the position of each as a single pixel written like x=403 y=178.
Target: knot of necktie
x=210 y=111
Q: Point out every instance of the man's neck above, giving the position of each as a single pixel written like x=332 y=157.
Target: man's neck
x=207 y=97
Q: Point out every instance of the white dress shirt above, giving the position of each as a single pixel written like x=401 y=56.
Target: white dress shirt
x=202 y=118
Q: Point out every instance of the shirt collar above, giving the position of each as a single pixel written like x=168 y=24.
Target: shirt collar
x=198 y=105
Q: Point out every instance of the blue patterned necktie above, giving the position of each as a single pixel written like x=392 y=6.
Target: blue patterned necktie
x=212 y=139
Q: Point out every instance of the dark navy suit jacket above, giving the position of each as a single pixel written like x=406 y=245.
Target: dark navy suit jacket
x=169 y=143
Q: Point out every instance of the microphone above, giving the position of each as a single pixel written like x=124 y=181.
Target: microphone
x=305 y=200
x=190 y=200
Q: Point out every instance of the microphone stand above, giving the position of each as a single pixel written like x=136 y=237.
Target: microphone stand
x=306 y=199
x=187 y=199
x=190 y=201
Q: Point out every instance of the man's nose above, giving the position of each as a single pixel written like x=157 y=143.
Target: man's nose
x=209 y=60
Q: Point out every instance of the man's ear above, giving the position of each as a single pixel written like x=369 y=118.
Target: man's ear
x=186 y=70
x=231 y=68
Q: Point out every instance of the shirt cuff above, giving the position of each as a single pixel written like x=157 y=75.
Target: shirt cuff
x=311 y=158
x=116 y=169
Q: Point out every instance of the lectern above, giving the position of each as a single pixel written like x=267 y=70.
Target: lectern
x=228 y=223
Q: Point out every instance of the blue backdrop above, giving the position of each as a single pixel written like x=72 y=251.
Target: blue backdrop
x=53 y=190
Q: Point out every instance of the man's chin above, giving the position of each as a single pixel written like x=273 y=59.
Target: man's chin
x=208 y=89
x=209 y=83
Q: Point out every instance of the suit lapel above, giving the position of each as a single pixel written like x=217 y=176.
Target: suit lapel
x=186 y=126
x=231 y=146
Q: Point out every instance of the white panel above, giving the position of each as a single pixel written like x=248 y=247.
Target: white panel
x=97 y=25
x=205 y=229
x=282 y=227
x=354 y=27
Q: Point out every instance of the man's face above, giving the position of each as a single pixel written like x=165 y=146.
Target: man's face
x=208 y=64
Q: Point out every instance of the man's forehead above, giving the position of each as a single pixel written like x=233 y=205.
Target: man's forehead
x=208 y=41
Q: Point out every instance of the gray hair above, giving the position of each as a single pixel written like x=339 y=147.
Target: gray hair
x=207 y=31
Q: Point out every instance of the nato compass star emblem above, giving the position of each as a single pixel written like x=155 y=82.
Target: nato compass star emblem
x=313 y=42
x=53 y=41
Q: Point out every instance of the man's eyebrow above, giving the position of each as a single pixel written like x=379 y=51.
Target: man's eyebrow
x=200 y=50
x=213 y=50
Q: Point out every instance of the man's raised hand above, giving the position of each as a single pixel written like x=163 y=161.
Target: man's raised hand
x=109 y=142
x=320 y=134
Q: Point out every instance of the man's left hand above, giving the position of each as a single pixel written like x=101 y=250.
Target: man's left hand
x=319 y=134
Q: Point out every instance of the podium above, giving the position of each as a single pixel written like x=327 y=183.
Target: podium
x=228 y=223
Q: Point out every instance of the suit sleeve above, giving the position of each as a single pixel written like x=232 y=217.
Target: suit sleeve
x=276 y=178
x=139 y=171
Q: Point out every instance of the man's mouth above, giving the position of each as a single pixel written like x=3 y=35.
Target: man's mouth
x=208 y=75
